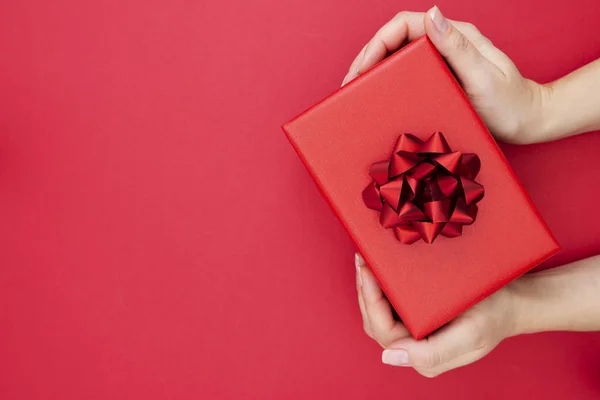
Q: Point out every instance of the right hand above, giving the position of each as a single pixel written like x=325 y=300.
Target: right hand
x=508 y=104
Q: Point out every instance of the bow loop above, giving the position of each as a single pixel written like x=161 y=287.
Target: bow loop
x=425 y=189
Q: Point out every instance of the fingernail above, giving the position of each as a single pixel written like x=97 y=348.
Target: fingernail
x=362 y=60
x=396 y=357
x=358 y=260
x=351 y=75
x=357 y=264
x=440 y=23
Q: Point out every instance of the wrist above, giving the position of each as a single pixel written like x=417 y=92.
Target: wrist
x=524 y=312
x=563 y=299
x=537 y=123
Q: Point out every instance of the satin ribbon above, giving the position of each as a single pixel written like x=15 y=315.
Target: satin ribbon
x=425 y=189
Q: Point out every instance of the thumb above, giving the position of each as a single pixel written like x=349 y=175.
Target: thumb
x=452 y=346
x=466 y=61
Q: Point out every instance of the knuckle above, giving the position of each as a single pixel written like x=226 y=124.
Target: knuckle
x=382 y=337
x=367 y=330
x=431 y=360
x=479 y=339
x=427 y=373
x=477 y=333
x=401 y=16
x=385 y=341
x=461 y=42
x=473 y=34
x=472 y=28
x=482 y=42
x=379 y=338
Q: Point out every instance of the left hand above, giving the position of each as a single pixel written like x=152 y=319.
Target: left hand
x=512 y=107
x=466 y=339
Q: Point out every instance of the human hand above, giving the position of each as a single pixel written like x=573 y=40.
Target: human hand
x=466 y=339
x=510 y=105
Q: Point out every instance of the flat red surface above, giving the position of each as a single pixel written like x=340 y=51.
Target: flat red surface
x=159 y=238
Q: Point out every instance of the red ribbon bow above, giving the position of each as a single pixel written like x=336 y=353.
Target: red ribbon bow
x=425 y=189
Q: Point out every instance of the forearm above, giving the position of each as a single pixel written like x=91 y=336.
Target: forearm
x=570 y=105
x=562 y=299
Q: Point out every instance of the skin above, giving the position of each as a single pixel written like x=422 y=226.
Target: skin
x=516 y=110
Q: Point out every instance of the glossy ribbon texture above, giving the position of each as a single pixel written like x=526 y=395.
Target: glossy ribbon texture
x=425 y=189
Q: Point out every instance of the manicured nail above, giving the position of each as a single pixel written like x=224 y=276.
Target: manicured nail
x=359 y=260
x=357 y=264
x=396 y=357
x=352 y=75
x=349 y=76
x=363 y=59
x=440 y=23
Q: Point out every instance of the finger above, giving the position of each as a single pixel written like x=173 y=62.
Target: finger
x=375 y=51
x=453 y=346
x=485 y=47
x=384 y=328
x=464 y=58
x=353 y=70
x=365 y=318
x=358 y=261
x=405 y=26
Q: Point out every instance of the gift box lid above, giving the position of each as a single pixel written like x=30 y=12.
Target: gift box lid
x=413 y=91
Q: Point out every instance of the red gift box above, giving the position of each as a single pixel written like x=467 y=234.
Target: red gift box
x=340 y=138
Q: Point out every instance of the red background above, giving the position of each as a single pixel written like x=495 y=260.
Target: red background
x=159 y=238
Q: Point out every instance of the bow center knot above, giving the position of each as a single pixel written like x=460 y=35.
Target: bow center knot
x=424 y=189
